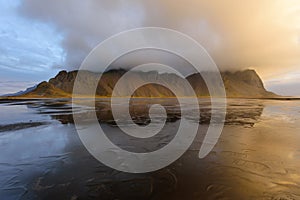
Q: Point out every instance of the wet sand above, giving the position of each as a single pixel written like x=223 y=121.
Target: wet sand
x=257 y=156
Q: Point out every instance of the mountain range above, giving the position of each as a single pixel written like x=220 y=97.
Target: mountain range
x=239 y=84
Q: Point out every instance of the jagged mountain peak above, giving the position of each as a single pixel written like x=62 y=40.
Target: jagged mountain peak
x=245 y=83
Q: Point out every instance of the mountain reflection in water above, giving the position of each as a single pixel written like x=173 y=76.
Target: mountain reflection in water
x=257 y=156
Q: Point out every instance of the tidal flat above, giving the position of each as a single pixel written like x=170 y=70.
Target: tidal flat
x=256 y=157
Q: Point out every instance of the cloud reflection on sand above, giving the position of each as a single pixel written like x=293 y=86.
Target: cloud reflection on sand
x=257 y=156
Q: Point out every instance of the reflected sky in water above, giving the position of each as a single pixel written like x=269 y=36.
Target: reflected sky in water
x=257 y=156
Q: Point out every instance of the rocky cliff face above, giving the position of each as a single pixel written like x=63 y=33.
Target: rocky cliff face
x=237 y=84
x=45 y=89
x=245 y=84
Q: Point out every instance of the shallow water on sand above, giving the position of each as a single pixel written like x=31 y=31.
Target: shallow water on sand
x=256 y=157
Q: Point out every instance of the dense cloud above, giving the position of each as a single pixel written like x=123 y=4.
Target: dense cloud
x=262 y=34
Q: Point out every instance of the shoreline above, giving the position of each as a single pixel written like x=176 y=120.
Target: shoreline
x=106 y=97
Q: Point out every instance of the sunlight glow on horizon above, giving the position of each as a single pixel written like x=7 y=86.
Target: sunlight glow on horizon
x=264 y=35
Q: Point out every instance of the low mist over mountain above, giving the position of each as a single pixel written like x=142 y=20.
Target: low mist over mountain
x=245 y=84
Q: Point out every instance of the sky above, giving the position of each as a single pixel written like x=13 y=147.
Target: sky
x=39 y=38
